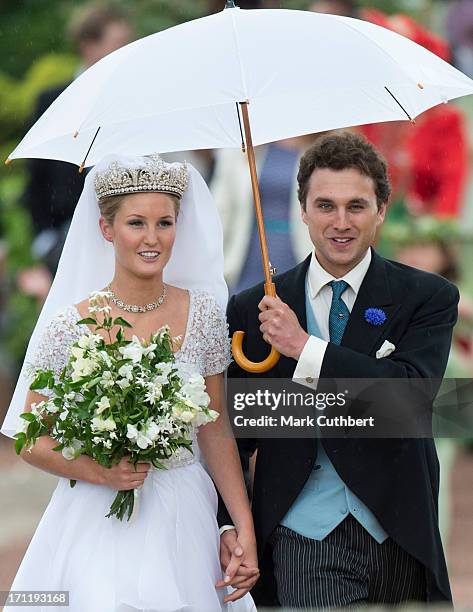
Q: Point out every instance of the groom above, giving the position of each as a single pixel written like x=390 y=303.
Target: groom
x=345 y=521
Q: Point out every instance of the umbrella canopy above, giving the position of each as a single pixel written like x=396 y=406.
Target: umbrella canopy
x=301 y=72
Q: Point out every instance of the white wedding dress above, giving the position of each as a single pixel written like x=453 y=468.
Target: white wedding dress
x=167 y=558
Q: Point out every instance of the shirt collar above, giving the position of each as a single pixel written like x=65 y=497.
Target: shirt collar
x=318 y=277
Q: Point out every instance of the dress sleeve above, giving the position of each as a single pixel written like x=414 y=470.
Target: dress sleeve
x=52 y=351
x=218 y=352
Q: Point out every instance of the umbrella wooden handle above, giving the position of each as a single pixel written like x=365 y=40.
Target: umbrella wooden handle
x=237 y=348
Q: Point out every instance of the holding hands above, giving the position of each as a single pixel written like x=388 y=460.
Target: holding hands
x=239 y=563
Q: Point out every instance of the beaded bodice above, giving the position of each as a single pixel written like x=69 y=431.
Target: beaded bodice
x=205 y=347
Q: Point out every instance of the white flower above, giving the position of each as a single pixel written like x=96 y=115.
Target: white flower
x=99 y=424
x=183 y=412
x=77 y=352
x=202 y=418
x=97 y=440
x=148 y=350
x=73 y=450
x=126 y=370
x=37 y=409
x=105 y=358
x=107 y=379
x=70 y=397
x=51 y=407
x=165 y=369
x=145 y=434
x=137 y=437
x=154 y=392
x=113 y=435
x=89 y=341
x=187 y=416
x=123 y=383
x=82 y=366
x=194 y=389
x=102 y=405
x=106 y=309
x=107 y=443
x=133 y=351
x=98 y=295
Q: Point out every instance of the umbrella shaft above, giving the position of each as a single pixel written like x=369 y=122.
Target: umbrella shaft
x=269 y=286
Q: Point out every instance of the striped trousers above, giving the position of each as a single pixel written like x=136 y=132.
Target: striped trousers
x=347 y=568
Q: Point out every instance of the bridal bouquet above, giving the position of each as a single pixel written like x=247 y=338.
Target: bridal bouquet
x=118 y=399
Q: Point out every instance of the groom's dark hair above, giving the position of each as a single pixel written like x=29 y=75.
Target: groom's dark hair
x=340 y=151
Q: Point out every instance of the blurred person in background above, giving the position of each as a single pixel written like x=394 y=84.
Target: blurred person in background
x=428 y=159
x=54 y=187
x=6 y=368
x=288 y=242
x=346 y=8
x=459 y=26
x=434 y=245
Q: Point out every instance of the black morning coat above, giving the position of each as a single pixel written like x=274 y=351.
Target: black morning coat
x=398 y=479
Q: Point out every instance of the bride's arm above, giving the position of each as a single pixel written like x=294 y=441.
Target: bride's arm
x=120 y=477
x=221 y=456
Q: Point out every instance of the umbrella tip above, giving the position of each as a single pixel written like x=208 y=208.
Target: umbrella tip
x=8 y=161
x=81 y=168
x=420 y=85
x=75 y=134
x=230 y=4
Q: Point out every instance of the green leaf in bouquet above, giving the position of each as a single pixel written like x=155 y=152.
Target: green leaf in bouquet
x=33 y=429
x=20 y=442
x=87 y=321
x=157 y=464
x=122 y=322
x=28 y=416
x=72 y=483
x=44 y=380
x=58 y=448
x=83 y=413
x=59 y=392
x=95 y=381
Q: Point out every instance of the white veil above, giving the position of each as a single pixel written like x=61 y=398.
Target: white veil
x=87 y=262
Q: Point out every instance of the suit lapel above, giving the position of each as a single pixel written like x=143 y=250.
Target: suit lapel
x=375 y=292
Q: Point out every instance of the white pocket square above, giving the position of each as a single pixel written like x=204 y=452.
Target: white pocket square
x=386 y=349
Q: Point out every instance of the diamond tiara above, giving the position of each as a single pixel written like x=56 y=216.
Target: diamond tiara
x=154 y=175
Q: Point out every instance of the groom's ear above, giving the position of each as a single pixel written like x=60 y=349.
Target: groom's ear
x=106 y=230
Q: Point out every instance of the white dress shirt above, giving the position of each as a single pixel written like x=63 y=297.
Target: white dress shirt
x=320 y=295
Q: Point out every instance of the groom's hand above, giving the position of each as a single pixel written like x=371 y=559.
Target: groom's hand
x=280 y=327
x=240 y=569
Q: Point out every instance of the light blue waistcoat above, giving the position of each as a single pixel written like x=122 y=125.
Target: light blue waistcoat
x=325 y=500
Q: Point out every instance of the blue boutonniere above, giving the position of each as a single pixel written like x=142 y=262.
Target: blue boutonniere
x=375 y=316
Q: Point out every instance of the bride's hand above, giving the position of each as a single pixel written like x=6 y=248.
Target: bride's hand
x=239 y=562
x=124 y=475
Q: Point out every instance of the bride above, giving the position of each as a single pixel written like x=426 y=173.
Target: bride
x=148 y=232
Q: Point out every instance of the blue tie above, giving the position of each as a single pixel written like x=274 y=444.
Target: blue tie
x=339 y=313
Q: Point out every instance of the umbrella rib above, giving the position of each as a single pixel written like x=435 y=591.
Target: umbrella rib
x=398 y=103
x=81 y=168
x=243 y=147
x=237 y=45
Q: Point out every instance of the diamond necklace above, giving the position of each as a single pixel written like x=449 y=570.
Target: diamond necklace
x=135 y=308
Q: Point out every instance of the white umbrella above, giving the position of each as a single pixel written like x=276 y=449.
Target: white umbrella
x=192 y=87
x=301 y=72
